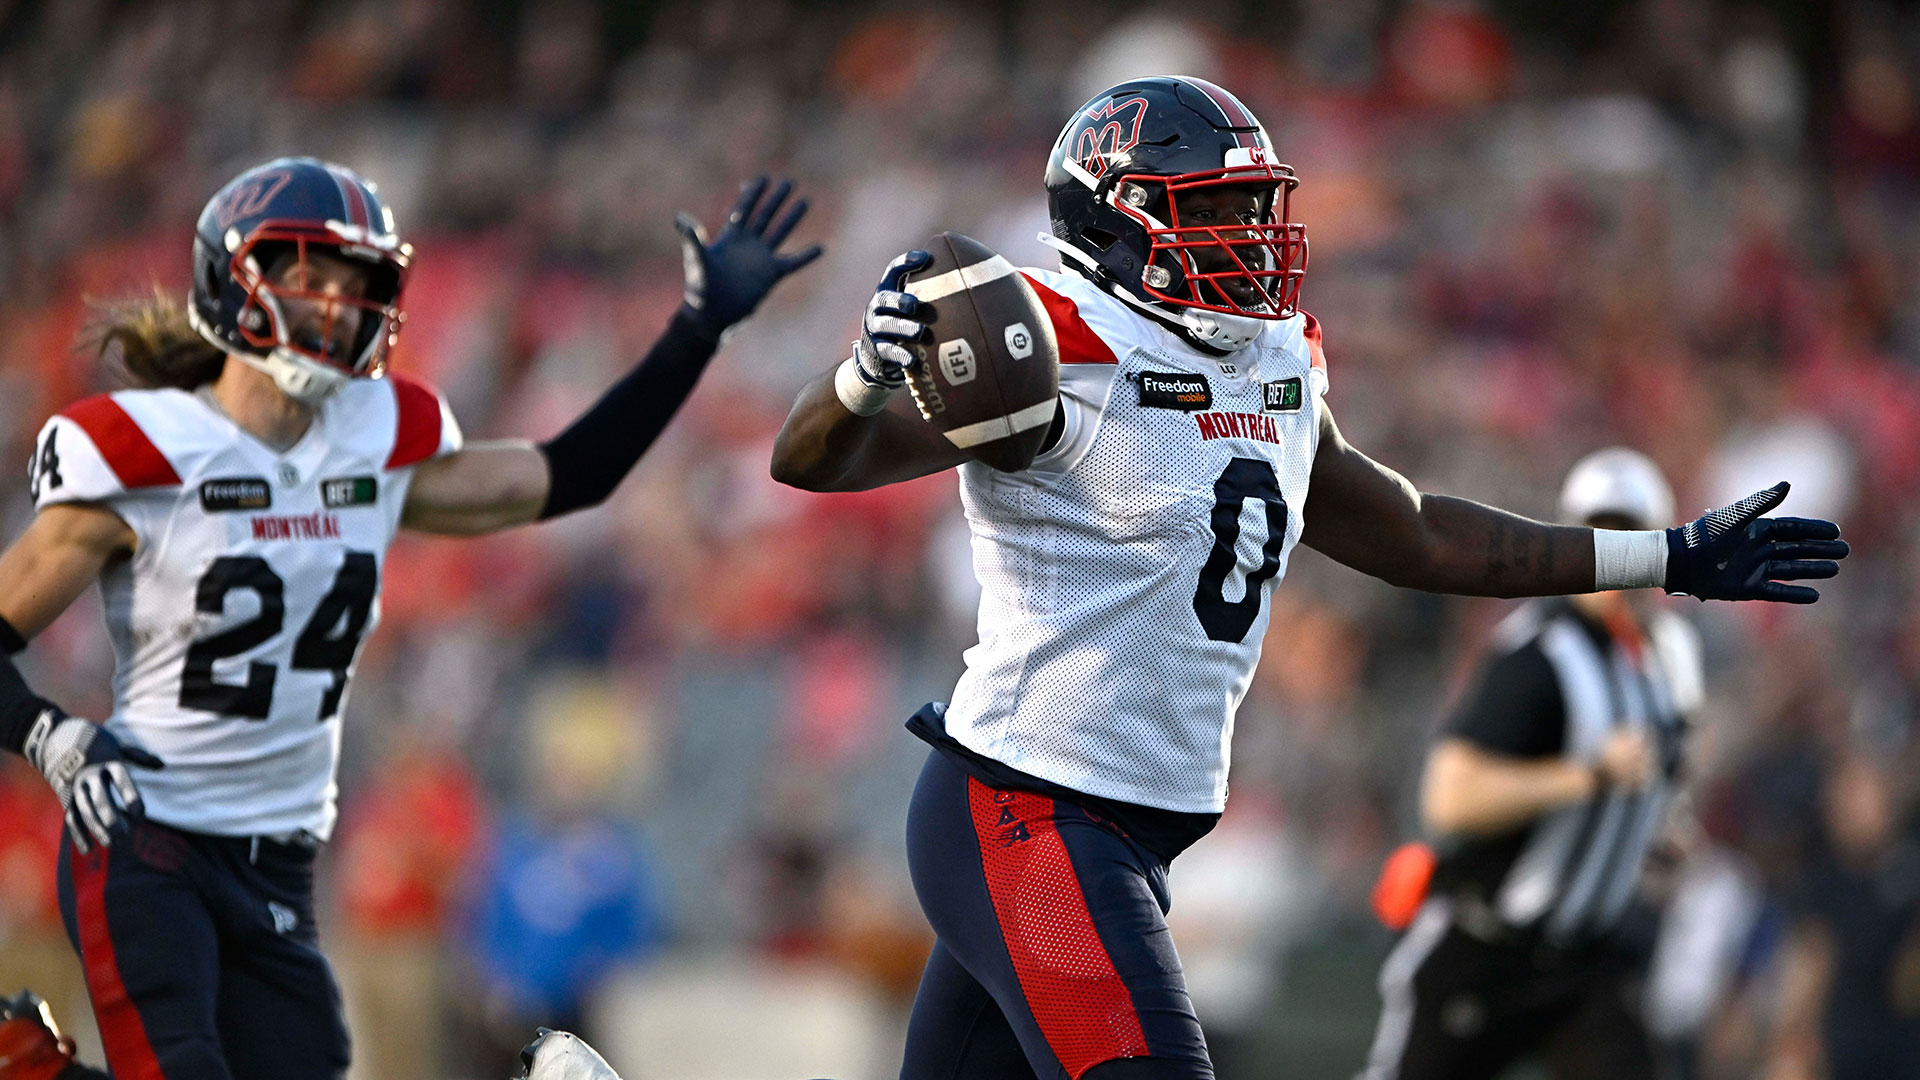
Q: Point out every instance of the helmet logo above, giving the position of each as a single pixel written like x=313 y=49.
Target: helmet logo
x=251 y=197
x=1110 y=130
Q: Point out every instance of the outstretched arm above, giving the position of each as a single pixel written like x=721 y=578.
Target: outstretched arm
x=1369 y=517
x=492 y=485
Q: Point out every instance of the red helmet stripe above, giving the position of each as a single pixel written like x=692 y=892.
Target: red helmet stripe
x=1234 y=113
x=350 y=194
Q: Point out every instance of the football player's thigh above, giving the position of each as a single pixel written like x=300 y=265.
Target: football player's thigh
x=281 y=1016
x=1055 y=918
x=957 y=1031
x=150 y=952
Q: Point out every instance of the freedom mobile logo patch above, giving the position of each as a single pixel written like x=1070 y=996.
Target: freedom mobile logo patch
x=1281 y=396
x=235 y=493
x=347 y=491
x=1162 y=390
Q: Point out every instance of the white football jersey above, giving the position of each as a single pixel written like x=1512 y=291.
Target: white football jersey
x=256 y=577
x=1125 y=575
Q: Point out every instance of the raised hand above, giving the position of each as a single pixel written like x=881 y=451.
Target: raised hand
x=1734 y=553
x=728 y=276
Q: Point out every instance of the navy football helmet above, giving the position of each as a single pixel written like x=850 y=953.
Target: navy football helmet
x=292 y=207
x=1113 y=182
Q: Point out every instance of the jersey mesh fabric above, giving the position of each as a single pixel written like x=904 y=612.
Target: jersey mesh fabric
x=1094 y=668
x=1078 y=1000
x=237 y=623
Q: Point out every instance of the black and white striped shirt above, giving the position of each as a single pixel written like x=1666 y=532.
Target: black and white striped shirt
x=1558 y=684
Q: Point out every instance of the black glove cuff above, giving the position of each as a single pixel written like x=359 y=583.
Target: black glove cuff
x=1677 y=580
x=589 y=459
x=10 y=639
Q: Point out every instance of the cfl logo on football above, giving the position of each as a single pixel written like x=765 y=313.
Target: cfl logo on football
x=956 y=361
x=1019 y=341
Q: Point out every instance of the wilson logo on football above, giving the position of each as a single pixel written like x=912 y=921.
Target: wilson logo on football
x=1096 y=144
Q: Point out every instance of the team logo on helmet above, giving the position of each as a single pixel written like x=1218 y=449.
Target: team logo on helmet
x=1111 y=129
x=251 y=196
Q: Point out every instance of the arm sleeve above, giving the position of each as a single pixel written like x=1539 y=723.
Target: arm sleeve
x=1515 y=708
x=589 y=459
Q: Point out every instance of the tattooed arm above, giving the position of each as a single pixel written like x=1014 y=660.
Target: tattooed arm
x=1369 y=517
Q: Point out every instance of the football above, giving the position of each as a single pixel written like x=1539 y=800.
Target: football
x=991 y=379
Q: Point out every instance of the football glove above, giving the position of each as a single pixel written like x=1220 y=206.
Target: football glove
x=1735 y=554
x=560 y=1055
x=87 y=768
x=728 y=276
x=894 y=321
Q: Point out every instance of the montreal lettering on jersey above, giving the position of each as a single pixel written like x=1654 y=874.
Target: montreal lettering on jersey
x=1237 y=425
x=296 y=527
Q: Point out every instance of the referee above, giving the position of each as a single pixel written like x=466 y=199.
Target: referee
x=1542 y=795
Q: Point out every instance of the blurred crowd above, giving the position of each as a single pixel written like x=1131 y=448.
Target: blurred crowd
x=659 y=746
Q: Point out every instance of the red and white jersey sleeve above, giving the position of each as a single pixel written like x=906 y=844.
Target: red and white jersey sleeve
x=1125 y=575
x=256 y=576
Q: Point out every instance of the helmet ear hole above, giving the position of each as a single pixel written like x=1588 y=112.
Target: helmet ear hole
x=1098 y=237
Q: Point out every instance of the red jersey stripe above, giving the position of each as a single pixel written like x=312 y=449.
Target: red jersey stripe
x=1315 y=350
x=122 y=1033
x=416 y=435
x=1077 y=998
x=125 y=448
x=1078 y=343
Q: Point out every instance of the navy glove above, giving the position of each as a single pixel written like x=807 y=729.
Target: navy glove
x=87 y=768
x=892 y=323
x=1735 y=554
x=728 y=276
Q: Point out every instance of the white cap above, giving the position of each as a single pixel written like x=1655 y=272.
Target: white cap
x=1619 y=481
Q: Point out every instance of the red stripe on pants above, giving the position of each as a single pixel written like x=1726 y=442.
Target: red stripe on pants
x=129 y=1054
x=1082 y=1007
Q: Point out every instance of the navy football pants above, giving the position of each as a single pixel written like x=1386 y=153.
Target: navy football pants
x=202 y=958
x=1053 y=954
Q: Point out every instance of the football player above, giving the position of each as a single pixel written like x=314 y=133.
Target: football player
x=236 y=513
x=1125 y=577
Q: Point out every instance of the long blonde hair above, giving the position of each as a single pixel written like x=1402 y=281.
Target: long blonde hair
x=151 y=341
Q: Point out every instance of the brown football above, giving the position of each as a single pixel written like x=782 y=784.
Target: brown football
x=991 y=380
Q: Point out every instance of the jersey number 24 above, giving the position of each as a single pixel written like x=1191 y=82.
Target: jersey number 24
x=328 y=643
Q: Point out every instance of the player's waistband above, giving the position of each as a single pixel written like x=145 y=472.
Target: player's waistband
x=297 y=844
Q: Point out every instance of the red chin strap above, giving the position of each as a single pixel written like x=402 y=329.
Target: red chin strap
x=260 y=318
x=1269 y=257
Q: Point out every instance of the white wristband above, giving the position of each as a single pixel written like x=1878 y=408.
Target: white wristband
x=861 y=397
x=1629 y=559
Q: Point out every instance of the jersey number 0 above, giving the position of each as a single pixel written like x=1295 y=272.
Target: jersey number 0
x=328 y=643
x=1243 y=479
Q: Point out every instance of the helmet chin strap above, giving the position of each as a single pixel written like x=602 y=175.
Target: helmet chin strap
x=297 y=377
x=1213 y=331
